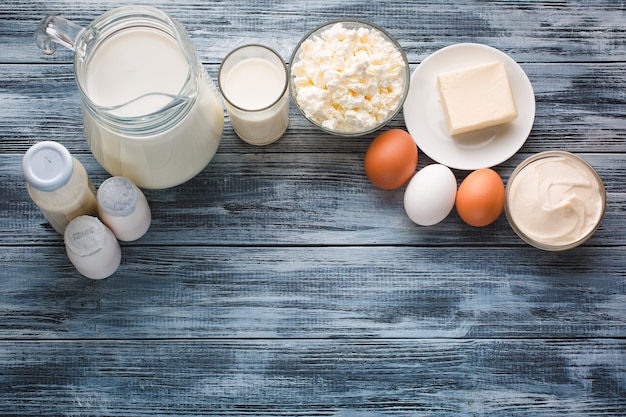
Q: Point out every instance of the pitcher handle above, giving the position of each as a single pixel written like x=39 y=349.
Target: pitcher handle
x=53 y=30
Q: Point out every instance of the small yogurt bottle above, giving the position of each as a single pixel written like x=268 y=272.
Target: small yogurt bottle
x=58 y=183
x=92 y=247
x=123 y=208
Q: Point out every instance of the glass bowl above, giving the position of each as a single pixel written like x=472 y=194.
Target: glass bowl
x=554 y=200
x=349 y=77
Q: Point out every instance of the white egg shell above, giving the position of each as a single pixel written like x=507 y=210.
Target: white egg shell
x=429 y=196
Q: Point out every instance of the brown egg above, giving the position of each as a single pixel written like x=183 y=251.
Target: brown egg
x=391 y=159
x=480 y=197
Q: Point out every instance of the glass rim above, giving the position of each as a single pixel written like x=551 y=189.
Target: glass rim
x=131 y=17
x=282 y=92
x=546 y=155
x=387 y=36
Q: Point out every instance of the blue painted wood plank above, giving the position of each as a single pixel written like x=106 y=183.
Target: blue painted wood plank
x=295 y=199
x=533 y=31
x=308 y=377
x=195 y=292
x=280 y=282
x=580 y=107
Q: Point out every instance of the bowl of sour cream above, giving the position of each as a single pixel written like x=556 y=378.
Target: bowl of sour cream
x=555 y=200
x=349 y=77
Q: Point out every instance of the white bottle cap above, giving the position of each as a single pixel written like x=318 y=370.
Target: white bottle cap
x=85 y=235
x=92 y=247
x=117 y=196
x=47 y=166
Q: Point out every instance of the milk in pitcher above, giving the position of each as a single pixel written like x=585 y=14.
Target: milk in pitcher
x=138 y=72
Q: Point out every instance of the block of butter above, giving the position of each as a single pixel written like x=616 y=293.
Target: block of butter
x=477 y=97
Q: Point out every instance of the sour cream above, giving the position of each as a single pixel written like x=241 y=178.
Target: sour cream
x=555 y=200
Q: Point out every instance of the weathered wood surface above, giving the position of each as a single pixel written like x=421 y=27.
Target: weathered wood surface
x=280 y=282
x=297 y=199
x=312 y=377
x=580 y=107
x=300 y=292
x=532 y=30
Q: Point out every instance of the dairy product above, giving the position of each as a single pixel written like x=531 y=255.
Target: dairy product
x=135 y=73
x=123 y=208
x=555 y=201
x=348 y=80
x=92 y=247
x=476 y=98
x=58 y=183
x=253 y=81
x=131 y=65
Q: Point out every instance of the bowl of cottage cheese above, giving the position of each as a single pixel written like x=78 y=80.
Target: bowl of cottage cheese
x=349 y=77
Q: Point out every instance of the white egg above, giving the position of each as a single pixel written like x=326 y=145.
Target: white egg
x=429 y=196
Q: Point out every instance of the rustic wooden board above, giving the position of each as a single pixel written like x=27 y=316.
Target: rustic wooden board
x=279 y=281
x=322 y=292
x=580 y=107
x=311 y=377
x=532 y=31
x=295 y=199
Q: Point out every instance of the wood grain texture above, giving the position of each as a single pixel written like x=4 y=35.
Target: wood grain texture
x=295 y=199
x=532 y=31
x=280 y=282
x=322 y=292
x=312 y=377
x=580 y=108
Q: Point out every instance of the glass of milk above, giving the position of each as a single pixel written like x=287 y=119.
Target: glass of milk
x=253 y=80
x=151 y=112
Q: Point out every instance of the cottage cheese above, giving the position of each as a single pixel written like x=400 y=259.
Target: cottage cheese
x=348 y=80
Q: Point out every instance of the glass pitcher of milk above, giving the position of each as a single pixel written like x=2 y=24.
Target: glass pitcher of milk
x=151 y=112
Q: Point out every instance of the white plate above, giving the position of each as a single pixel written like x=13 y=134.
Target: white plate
x=425 y=120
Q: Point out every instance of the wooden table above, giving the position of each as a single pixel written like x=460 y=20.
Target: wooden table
x=279 y=281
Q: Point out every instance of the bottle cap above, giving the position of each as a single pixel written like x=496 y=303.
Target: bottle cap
x=47 y=166
x=85 y=235
x=92 y=247
x=117 y=196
